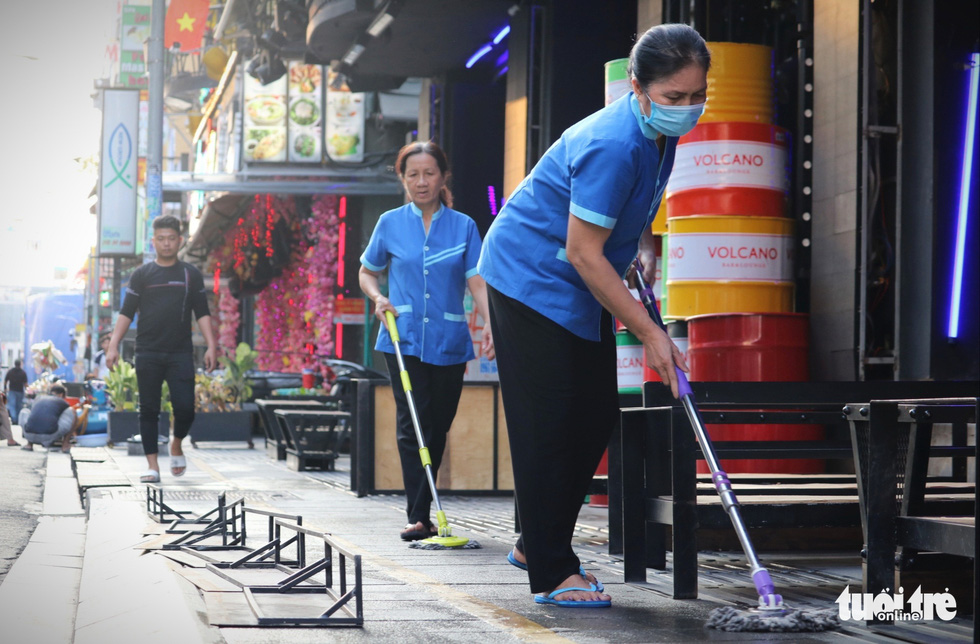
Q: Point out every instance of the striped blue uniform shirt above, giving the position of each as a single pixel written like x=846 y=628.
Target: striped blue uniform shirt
x=427 y=276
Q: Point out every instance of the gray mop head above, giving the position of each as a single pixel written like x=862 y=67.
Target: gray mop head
x=731 y=619
x=424 y=545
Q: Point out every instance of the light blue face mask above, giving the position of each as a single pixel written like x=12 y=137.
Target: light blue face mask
x=673 y=120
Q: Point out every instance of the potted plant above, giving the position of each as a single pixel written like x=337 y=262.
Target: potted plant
x=121 y=387
x=219 y=398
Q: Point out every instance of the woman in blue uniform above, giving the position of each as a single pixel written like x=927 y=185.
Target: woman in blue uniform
x=554 y=261
x=430 y=252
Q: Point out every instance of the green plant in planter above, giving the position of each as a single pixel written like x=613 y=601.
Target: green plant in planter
x=210 y=393
x=235 y=377
x=122 y=387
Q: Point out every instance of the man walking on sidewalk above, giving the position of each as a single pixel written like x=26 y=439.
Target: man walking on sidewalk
x=13 y=384
x=164 y=293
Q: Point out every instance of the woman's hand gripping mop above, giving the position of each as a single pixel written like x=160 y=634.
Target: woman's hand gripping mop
x=770 y=614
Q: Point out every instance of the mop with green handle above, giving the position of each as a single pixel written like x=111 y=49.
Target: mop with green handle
x=771 y=615
x=445 y=539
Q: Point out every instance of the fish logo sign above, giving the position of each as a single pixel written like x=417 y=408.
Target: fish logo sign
x=120 y=154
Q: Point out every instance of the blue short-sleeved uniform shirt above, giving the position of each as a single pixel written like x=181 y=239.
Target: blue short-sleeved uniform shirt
x=427 y=276
x=606 y=170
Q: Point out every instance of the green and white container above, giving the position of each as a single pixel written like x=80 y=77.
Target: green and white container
x=617 y=80
x=629 y=363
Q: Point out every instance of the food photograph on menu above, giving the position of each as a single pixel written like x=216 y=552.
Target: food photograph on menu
x=345 y=125
x=264 y=134
x=305 y=112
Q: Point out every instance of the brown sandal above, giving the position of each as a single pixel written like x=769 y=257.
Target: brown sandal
x=412 y=532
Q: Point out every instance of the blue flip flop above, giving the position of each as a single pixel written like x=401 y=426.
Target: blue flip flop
x=550 y=599
x=598 y=584
x=512 y=560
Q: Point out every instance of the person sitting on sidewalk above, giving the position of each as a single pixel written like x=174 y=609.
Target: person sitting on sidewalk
x=6 y=433
x=51 y=420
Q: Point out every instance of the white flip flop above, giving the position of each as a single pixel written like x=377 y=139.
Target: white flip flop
x=150 y=476
x=177 y=462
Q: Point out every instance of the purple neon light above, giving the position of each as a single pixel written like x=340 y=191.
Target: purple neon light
x=501 y=35
x=480 y=53
x=962 y=221
x=492 y=196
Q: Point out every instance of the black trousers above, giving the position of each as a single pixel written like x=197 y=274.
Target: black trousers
x=561 y=404
x=152 y=369
x=436 y=390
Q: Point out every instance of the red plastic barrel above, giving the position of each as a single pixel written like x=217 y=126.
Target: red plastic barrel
x=730 y=169
x=753 y=347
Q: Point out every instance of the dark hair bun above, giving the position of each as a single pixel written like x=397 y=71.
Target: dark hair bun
x=664 y=50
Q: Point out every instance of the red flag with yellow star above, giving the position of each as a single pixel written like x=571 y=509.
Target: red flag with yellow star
x=185 y=23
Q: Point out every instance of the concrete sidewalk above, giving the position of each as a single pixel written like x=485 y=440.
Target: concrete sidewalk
x=86 y=581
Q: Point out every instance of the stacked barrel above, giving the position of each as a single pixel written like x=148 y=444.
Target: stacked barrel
x=630 y=365
x=728 y=258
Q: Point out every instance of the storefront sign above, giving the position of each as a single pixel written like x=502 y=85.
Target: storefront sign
x=301 y=119
x=135 y=30
x=349 y=311
x=118 y=172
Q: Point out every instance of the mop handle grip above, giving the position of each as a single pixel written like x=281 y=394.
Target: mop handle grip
x=392 y=327
x=650 y=303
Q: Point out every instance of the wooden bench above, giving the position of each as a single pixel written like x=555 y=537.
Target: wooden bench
x=904 y=514
x=314 y=437
x=655 y=485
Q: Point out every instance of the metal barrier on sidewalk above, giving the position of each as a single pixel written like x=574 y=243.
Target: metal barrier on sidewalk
x=284 y=561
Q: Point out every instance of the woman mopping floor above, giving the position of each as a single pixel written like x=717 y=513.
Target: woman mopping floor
x=429 y=252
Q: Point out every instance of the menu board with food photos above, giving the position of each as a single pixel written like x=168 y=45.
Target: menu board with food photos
x=286 y=119
x=345 y=124
x=305 y=112
x=264 y=134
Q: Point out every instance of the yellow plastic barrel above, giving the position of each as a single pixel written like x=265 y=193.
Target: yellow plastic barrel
x=739 y=83
x=617 y=80
x=719 y=264
x=659 y=226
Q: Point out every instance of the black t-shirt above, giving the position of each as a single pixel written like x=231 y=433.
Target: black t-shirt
x=165 y=297
x=16 y=378
x=44 y=415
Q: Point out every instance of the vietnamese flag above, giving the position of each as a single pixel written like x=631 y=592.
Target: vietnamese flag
x=185 y=24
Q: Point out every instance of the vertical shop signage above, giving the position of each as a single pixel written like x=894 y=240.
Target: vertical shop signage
x=118 y=172
x=134 y=31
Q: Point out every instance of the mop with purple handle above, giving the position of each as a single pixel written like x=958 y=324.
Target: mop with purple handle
x=770 y=614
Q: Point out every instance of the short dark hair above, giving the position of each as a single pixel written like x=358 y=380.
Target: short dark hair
x=17 y=363
x=431 y=148
x=167 y=221
x=58 y=390
x=666 y=49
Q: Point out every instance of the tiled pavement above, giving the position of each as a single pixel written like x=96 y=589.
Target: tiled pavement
x=106 y=590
